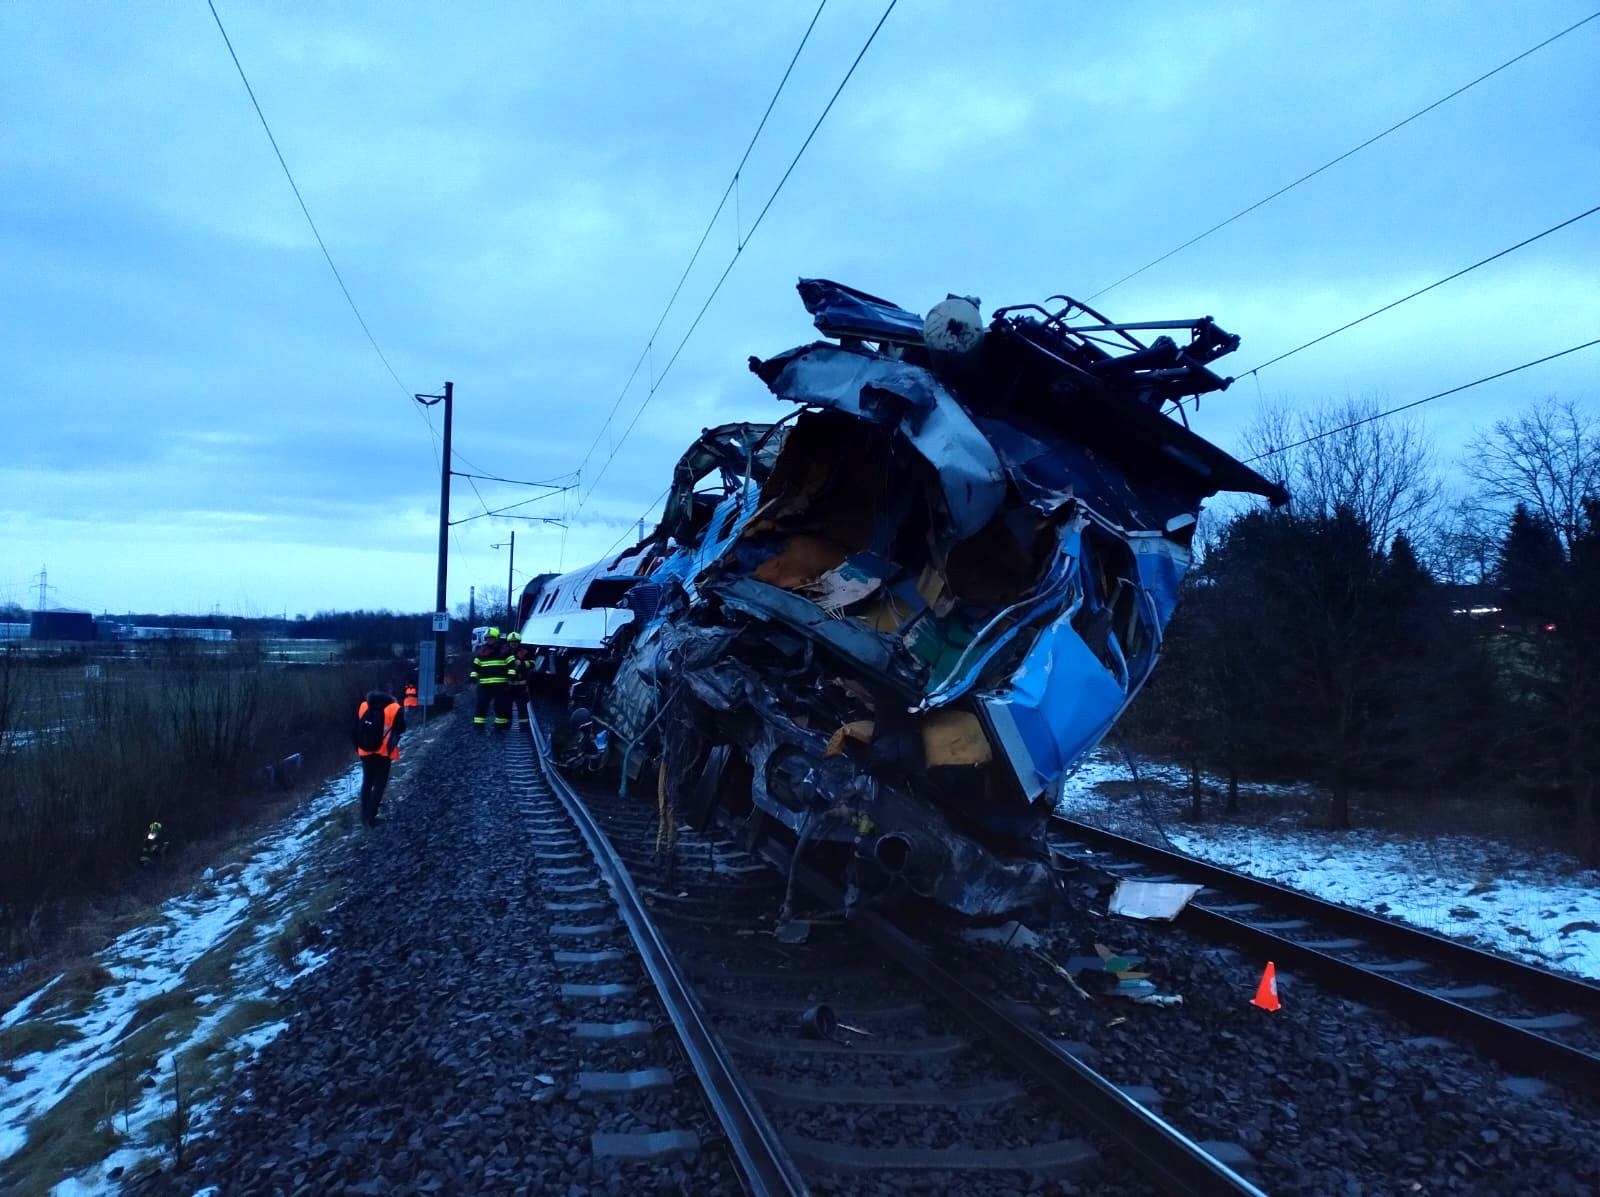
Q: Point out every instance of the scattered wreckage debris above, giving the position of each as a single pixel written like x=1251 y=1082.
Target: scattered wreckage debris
x=1157 y=901
x=1011 y=934
x=1109 y=973
x=886 y=625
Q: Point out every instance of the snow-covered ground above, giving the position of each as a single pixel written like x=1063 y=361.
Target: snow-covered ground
x=1537 y=907
x=241 y=910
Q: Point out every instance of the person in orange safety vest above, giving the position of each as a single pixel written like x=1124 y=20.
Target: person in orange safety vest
x=379 y=724
x=411 y=702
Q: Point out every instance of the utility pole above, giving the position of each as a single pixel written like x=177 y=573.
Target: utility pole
x=441 y=613
x=511 y=607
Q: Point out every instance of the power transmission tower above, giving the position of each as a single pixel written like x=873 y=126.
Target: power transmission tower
x=43 y=579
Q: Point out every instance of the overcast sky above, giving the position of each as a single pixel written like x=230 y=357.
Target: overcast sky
x=194 y=418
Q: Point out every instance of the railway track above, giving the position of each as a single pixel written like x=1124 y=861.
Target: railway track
x=589 y=888
x=1531 y=1019
x=839 y=1055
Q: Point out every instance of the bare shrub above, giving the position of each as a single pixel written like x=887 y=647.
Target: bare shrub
x=181 y=738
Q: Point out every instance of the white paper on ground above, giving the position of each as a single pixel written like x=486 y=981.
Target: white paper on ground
x=1159 y=900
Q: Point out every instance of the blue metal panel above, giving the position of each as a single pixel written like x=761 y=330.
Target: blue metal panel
x=1056 y=706
x=1160 y=571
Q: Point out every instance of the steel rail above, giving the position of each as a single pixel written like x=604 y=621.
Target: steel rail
x=755 y=1141
x=1506 y=1041
x=1170 y=1160
x=1548 y=986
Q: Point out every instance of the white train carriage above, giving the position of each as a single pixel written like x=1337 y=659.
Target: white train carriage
x=567 y=618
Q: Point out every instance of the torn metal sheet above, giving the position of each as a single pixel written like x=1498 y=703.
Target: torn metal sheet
x=1160 y=901
x=912 y=400
x=885 y=626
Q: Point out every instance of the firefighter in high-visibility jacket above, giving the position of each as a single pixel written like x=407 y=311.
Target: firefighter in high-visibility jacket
x=521 y=675
x=493 y=667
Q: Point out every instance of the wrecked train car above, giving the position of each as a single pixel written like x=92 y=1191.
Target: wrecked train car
x=889 y=623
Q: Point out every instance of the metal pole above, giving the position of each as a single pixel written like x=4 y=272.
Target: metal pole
x=444 y=539
x=511 y=607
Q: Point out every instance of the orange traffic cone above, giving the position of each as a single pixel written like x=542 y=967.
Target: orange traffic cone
x=1267 y=992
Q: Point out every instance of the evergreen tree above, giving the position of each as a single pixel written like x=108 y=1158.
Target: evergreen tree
x=1575 y=721
x=1529 y=569
x=1405 y=572
x=1439 y=679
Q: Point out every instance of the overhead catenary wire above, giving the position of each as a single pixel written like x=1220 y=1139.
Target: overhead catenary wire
x=548 y=484
x=479 y=495
x=438 y=464
x=1309 y=175
x=427 y=420
x=425 y=417
x=633 y=523
x=485 y=475
x=551 y=490
x=511 y=507
x=722 y=203
x=1550 y=357
x=1420 y=291
x=738 y=251
x=305 y=211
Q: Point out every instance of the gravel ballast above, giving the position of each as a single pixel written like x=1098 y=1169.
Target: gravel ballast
x=413 y=1060
x=1328 y=1096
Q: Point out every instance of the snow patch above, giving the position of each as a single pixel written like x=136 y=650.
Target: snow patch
x=20 y=1011
x=152 y=960
x=1485 y=892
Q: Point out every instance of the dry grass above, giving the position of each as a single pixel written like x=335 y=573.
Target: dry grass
x=89 y=1121
x=76 y=989
x=86 y=1124
x=182 y=739
x=34 y=1035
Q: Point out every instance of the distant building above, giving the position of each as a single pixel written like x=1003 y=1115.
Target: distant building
x=180 y=633
x=61 y=625
x=15 y=631
x=128 y=631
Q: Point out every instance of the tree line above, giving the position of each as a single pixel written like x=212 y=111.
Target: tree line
x=377 y=626
x=1380 y=634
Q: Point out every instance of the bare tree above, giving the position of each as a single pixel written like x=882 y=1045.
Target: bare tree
x=1465 y=546
x=1548 y=458
x=488 y=606
x=1341 y=456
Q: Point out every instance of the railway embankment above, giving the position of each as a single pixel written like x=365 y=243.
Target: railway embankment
x=448 y=1004
x=121 y=776
x=435 y=1050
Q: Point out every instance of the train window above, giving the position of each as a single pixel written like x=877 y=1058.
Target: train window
x=608 y=592
x=557 y=632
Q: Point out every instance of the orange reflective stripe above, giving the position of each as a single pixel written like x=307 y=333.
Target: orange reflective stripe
x=392 y=751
